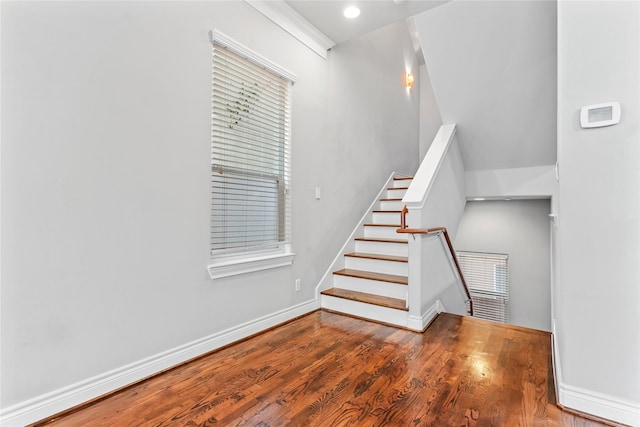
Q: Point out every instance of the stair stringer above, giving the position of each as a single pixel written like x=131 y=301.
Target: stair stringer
x=338 y=263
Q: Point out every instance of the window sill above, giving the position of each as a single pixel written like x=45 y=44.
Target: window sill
x=219 y=268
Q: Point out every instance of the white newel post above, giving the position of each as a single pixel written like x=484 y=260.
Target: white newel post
x=414 y=220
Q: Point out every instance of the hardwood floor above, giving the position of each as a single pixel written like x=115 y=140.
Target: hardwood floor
x=325 y=369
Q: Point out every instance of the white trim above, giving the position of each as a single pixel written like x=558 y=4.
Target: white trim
x=58 y=400
x=295 y=24
x=555 y=357
x=419 y=323
x=219 y=268
x=600 y=405
x=587 y=401
x=222 y=39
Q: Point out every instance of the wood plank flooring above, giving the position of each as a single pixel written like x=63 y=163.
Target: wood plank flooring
x=325 y=369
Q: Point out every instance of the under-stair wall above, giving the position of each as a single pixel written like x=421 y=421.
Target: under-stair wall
x=436 y=198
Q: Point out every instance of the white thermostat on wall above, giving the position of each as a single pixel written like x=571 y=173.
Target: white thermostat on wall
x=599 y=115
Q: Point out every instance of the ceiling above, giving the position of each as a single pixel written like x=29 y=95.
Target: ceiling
x=326 y=15
x=492 y=66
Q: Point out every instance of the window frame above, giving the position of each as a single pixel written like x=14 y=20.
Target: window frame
x=222 y=264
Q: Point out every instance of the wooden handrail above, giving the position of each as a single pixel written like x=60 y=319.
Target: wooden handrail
x=438 y=230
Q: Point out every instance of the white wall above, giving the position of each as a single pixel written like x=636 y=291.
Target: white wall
x=520 y=229
x=531 y=182
x=493 y=69
x=598 y=310
x=105 y=178
x=371 y=125
x=430 y=120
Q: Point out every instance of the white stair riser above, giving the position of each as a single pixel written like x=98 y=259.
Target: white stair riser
x=386 y=218
x=385 y=289
x=391 y=205
x=401 y=183
x=385 y=233
x=394 y=249
x=367 y=311
x=377 y=265
x=395 y=193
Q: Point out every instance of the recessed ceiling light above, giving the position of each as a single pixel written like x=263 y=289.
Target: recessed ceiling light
x=351 y=12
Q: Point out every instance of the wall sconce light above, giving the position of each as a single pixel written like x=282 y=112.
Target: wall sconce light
x=408 y=80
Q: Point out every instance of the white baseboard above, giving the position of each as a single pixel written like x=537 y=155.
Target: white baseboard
x=587 y=401
x=555 y=357
x=600 y=405
x=67 y=397
x=419 y=323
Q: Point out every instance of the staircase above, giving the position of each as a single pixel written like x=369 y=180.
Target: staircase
x=374 y=282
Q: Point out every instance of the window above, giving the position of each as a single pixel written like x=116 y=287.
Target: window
x=487 y=276
x=250 y=161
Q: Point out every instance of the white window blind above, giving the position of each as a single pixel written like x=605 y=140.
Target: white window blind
x=487 y=276
x=250 y=155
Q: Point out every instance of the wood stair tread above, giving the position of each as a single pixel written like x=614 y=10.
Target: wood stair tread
x=381 y=240
x=369 y=275
x=378 y=257
x=388 y=211
x=398 y=188
x=401 y=178
x=383 y=225
x=364 y=297
x=391 y=199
